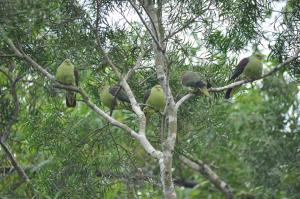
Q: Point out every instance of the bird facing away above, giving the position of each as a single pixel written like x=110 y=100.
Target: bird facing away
x=112 y=96
x=68 y=75
x=119 y=92
x=155 y=99
x=248 y=68
x=195 y=81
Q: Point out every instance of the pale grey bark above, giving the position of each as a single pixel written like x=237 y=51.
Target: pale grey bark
x=139 y=136
x=156 y=30
x=208 y=173
x=241 y=82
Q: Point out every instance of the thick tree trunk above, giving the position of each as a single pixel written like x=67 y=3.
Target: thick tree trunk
x=166 y=176
x=168 y=142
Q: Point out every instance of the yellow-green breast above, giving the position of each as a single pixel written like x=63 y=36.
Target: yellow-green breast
x=65 y=73
x=106 y=98
x=157 y=98
x=253 y=69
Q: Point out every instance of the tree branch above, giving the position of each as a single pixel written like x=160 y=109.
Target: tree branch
x=208 y=173
x=275 y=69
x=15 y=100
x=183 y=99
x=155 y=39
x=144 y=178
x=28 y=59
x=14 y=162
x=135 y=106
x=150 y=18
x=31 y=168
x=168 y=144
x=241 y=82
x=189 y=22
x=72 y=88
x=138 y=61
x=141 y=137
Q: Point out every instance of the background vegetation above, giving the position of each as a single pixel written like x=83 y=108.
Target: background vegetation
x=252 y=143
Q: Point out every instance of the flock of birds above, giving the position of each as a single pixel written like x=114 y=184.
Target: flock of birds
x=115 y=96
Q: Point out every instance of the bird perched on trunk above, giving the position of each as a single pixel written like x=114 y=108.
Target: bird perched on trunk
x=68 y=75
x=155 y=99
x=248 y=68
x=112 y=96
x=195 y=81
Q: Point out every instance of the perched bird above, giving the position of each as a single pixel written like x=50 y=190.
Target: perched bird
x=195 y=81
x=119 y=93
x=68 y=75
x=112 y=96
x=155 y=99
x=107 y=98
x=248 y=68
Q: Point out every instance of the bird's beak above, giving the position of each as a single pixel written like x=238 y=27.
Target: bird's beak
x=205 y=91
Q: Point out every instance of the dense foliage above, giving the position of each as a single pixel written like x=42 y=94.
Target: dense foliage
x=252 y=143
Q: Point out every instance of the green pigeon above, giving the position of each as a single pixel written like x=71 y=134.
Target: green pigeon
x=248 y=68
x=68 y=75
x=112 y=96
x=155 y=99
x=107 y=98
x=195 y=81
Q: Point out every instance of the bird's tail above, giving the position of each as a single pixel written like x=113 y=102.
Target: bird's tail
x=231 y=91
x=228 y=93
x=70 y=99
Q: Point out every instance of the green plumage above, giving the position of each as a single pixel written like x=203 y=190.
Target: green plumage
x=66 y=74
x=248 y=68
x=195 y=81
x=108 y=99
x=253 y=69
x=155 y=99
x=113 y=97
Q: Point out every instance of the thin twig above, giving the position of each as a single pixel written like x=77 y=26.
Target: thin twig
x=189 y=22
x=146 y=26
x=138 y=62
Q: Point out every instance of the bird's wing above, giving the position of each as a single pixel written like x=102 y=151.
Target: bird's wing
x=146 y=95
x=239 y=68
x=76 y=74
x=119 y=93
x=190 y=79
